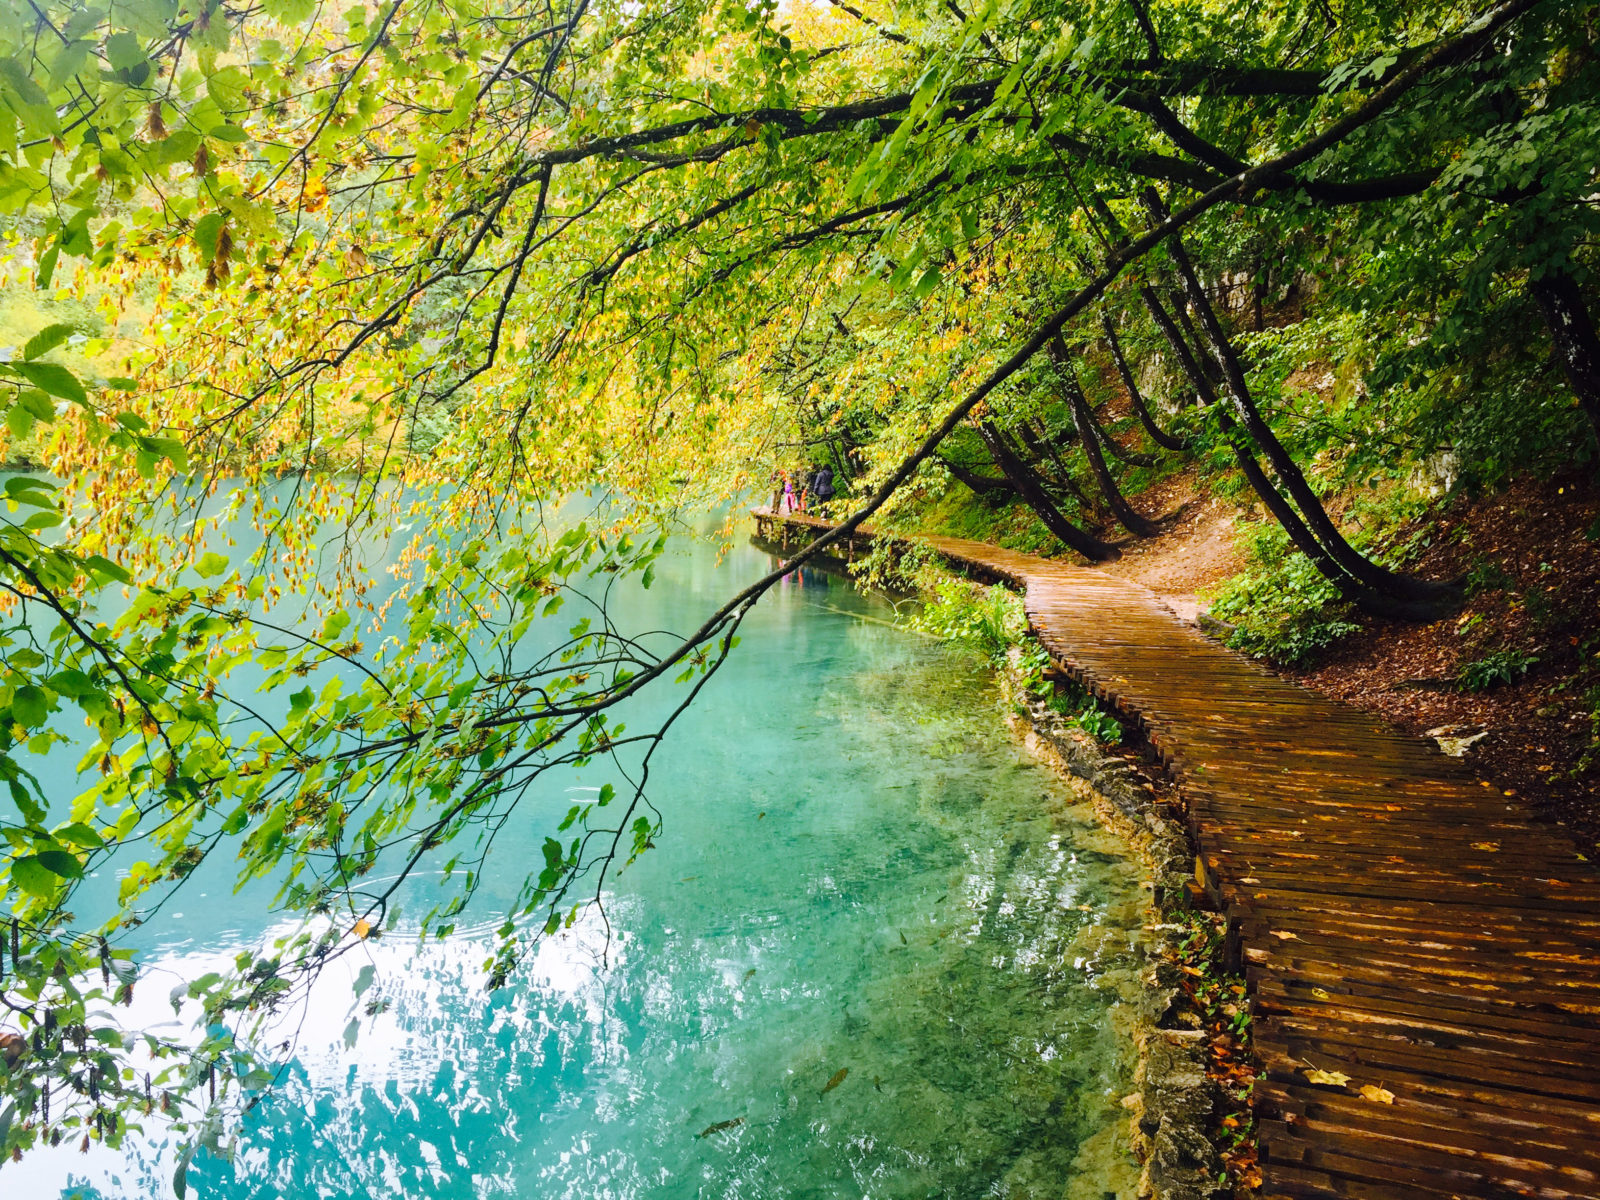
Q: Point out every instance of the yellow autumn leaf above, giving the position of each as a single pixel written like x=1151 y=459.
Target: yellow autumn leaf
x=1378 y=1095
x=314 y=196
x=362 y=928
x=1321 y=993
x=1327 y=1078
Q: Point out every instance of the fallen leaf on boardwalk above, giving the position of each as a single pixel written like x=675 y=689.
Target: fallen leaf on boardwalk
x=1395 y=807
x=1378 y=1095
x=1327 y=1078
x=1321 y=993
x=1286 y=935
x=1490 y=846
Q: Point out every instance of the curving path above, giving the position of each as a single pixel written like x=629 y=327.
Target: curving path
x=1400 y=924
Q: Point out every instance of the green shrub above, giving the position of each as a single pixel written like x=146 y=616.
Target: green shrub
x=1485 y=575
x=991 y=620
x=1082 y=709
x=1280 y=606
x=1502 y=666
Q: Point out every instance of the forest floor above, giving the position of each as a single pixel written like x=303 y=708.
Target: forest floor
x=1518 y=664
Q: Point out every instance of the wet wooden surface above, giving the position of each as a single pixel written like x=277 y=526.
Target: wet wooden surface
x=1398 y=922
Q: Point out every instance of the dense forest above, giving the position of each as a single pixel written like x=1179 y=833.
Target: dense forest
x=428 y=269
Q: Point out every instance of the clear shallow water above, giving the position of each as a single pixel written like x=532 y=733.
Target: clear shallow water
x=860 y=871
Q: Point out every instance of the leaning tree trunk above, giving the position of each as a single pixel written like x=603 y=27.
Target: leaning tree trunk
x=1159 y=436
x=1205 y=390
x=1577 y=345
x=1363 y=597
x=1031 y=490
x=984 y=485
x=1134 y=458
x=1427 y=595
x=1038 y=442
x=1130 y=520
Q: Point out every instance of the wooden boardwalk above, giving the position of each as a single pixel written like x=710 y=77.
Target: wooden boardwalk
x=1398 y=922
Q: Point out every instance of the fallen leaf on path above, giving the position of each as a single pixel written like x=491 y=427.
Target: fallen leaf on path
x=1327 y=1078
x=1378 y=1095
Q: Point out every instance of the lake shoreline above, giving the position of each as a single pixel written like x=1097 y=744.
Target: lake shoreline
x=1171 y=1111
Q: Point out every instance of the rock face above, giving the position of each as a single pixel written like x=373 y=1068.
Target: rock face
x=1172 y=1110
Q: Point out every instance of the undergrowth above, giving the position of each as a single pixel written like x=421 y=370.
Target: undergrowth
x=992 y=621
x=1280 y=606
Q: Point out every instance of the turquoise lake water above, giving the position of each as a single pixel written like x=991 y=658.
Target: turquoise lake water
x=860 y=871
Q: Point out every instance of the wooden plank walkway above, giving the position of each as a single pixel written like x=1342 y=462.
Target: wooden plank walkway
x=1398 y=922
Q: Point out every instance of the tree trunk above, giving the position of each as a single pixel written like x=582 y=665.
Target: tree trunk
x=1031 y=490
x=1427 y=594
x=984 y=485
x=1135 y=458
x=1205 y=390
x=1036 y=438
x=1180 y=306
x=1258 y=294
x=1130 y=520
x=1577 y=345
x=1158 y=435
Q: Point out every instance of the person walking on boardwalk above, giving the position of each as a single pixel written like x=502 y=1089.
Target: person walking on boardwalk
x=822 y=484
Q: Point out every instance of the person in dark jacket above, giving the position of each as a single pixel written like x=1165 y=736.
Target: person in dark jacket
x=822 y=485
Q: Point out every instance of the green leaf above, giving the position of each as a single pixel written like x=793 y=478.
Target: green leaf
x=34 y=878
x=37 y=403
x=364 y=978
x=59 y=862
x=30 y=705
x=80 y=835
x=55 y=379
x=46 y=340
x=99 y=566
x=210 y=564
x=18 y=484
x=206 y=230
x=47 y=265
x=19 y=421
x=124 y=51
x=171 y=449
x=180 y=1177
x=72 y=682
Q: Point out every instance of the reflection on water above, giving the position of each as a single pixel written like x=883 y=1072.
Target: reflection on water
x=862 y=883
